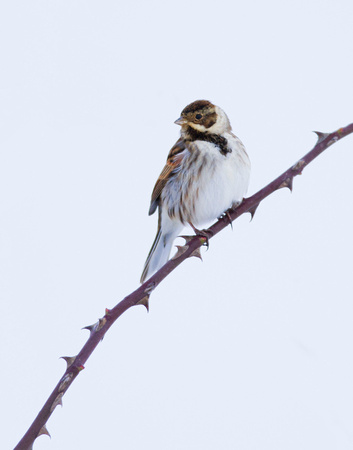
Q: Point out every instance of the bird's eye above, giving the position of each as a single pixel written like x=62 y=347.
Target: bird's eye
x=198 y=116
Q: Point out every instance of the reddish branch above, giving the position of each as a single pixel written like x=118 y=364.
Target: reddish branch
x=141 y=295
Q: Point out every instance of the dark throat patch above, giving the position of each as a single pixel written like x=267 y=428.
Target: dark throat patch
x=220 y=141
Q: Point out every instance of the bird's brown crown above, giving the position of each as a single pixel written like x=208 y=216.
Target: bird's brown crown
x=196 y=106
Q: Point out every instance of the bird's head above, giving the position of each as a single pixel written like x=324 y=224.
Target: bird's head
x=204 y=117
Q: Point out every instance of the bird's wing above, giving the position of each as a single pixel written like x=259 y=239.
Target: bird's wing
x=173 y=163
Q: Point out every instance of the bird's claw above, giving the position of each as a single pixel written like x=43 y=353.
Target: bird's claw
x=207 y=234
x=227 y=215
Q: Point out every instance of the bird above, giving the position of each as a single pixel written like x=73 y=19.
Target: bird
x=206 y=173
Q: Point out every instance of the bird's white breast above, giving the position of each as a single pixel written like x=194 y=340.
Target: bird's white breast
x=208 y=182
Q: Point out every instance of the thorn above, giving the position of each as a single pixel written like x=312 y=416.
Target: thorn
x=96 y=326
x=56 y=402
x=252 y=211
x=44 y=430
x=320 y=136
x=144 y=302
x=287 y=183
x=90 y=328
x=65 y=382
x=298 y=166
x=181 y=250
x=187 y=238
x=197 y=253
x=69 y=360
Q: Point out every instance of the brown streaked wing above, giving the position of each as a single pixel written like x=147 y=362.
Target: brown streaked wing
x=173 y=161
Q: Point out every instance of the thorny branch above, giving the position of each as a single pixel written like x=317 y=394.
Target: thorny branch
x=141 y=295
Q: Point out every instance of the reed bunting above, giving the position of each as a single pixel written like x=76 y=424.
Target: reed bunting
x=207 y=172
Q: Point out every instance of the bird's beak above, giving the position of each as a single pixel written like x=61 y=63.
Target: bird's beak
x=181 y=121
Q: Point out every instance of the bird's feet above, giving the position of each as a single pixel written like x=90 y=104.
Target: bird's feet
x=207 y=234
x=226 y=216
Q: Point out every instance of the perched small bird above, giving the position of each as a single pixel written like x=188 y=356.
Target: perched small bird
x=207 y=172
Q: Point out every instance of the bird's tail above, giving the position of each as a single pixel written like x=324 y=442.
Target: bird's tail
x=160 y=251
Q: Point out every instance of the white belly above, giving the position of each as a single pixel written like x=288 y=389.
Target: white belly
x=209 y=184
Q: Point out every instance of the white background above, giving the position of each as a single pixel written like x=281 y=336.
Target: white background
x=251 y=349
